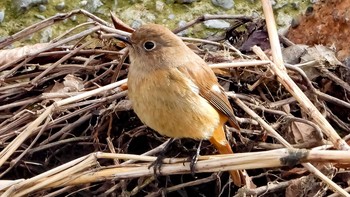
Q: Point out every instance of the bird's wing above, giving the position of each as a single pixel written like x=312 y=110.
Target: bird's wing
x=209 y=88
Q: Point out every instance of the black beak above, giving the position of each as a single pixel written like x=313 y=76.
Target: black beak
x=123 y=39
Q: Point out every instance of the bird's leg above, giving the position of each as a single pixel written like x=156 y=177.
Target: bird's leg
x=194 y=158
x=157 y=164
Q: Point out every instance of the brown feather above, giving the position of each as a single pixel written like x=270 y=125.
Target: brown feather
x=202 y=75
x=222 y=145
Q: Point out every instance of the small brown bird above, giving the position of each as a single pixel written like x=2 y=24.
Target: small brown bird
x=174 y=91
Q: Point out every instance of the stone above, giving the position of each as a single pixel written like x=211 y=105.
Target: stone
x=83 y=3
x=73 y=18
x=93 y=5
x=273 y=2
x=42 y=8
x=216 y=24
x=171 y=16
x=295 y=5
x=182 y=23
x=39 y=16
x=185 y=1
x=2 y=15
x=136 y=24
x=60 y=6
x=46 y=35
x=159 y=6
x=24 y=5
x=226 y=4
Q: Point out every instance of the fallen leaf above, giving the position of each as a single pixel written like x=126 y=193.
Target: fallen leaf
x=9 y=55
x=302 y=132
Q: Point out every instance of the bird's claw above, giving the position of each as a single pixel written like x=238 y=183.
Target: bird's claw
x=194 y=159
x=193 y=162
x=157 y=164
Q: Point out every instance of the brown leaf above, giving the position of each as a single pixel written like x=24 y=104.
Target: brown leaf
x=73 y=83
x=302 y=132
x=323 y=56
x=294 y=172
x=8 y=55
x=119 y=24
x=304 y=186
x=123 y=105
x=292 y=54
x=57 y=88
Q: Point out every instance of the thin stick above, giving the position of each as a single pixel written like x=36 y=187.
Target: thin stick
x=87 y=169
x=240 y=64
x=51 y=46
x=64 y=58
x=273 y=34
x=12 y=147
x=211 y=17
x=269 y=129
x=282 y=76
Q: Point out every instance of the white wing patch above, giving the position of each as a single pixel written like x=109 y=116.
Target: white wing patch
x=216 y=88
x=193 y=87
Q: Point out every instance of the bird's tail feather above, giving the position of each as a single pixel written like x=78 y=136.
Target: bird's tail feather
x=220 y=142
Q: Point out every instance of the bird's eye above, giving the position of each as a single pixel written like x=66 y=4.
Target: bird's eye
x=149 y=45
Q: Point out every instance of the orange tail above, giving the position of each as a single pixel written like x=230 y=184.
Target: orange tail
x=222 y=145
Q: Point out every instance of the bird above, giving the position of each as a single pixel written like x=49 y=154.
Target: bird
x=174 y=91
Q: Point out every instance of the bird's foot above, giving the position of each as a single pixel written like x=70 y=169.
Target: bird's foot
x=157 y=164
x=194 y=159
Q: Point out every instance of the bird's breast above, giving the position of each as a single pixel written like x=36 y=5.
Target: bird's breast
x=169 y=102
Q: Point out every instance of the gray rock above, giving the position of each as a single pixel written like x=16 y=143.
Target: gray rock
x=2 y=15
x=226 y=4
x=73 y=18
x=278 y=5
x=182 y=23
x=83 y=3
x=273 y=2
x=295 y=5
x=149 y=17
x=42 y=8
x=255 y=14
x=159 y=6
x=93 y=5
x=185 y=1
x=46 y=35
x=292 y=54
x=216 y=24
x=136 y=23
x=346 y=62
x=60 y=6
x=24 y=5
x=171 y=16
x=39 y=16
